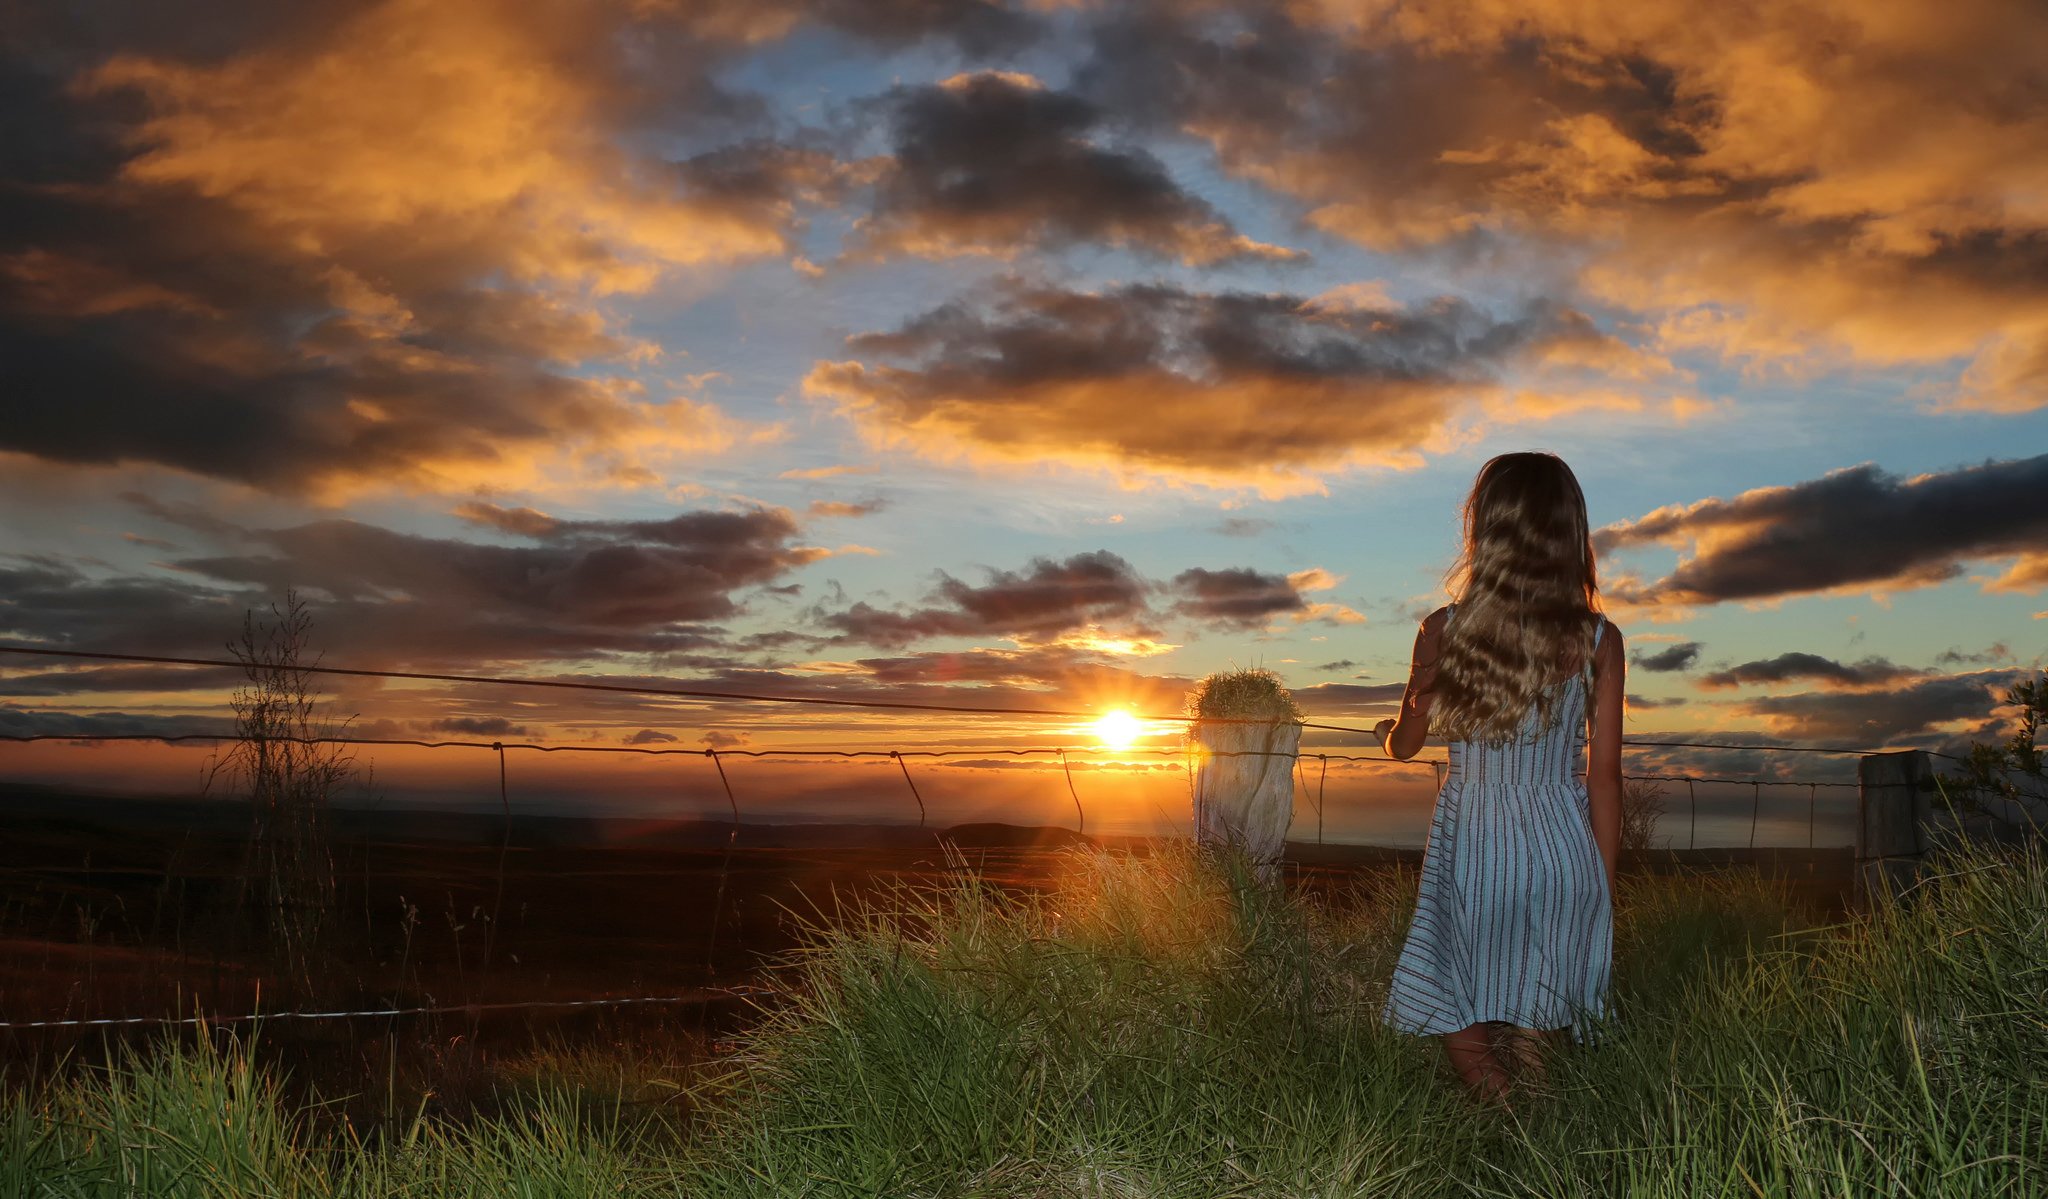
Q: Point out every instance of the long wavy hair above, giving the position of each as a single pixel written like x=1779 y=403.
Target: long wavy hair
x=1528 y=601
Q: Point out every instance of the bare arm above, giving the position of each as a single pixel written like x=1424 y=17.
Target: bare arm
x=1402 y=737
x=1603 y=765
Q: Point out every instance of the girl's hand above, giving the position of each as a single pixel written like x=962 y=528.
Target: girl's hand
x=1382 y=729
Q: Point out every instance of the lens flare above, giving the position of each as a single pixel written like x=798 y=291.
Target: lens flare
x=1118 y=729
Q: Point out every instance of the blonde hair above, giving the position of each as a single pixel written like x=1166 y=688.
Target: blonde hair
x=1528 y=600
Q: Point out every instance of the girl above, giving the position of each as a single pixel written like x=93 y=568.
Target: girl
x=1514 y=923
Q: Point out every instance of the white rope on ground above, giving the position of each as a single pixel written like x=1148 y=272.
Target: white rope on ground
x=702 y=994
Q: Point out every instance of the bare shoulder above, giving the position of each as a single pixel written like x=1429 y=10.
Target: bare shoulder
x=1433 y=624
x=1611 y=644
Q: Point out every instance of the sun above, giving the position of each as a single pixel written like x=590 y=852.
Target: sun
x=1118 y=729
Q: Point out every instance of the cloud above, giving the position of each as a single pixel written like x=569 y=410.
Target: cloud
x=995 y=162
x=368 y=248
x=1239 y=598
x=579 y=589
x=1870 y=672
x=480 y=726
x=1236 y=598
x=1780 y=183
x=1243 y=526
x=1997 y=651
x=649 y=574
x=651 y=737
x=1873 y=719
x=837 y=508
x=1040 y=602
x=1163 y=384
x=828 y=472
x=73 y=680
x=37 y=722
x=1349 y=699
x=1854 y=529
x=1676 y=657
x=1094 y=599
x=1340 y=664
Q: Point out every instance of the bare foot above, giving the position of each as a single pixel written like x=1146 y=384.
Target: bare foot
x=1526 y=1052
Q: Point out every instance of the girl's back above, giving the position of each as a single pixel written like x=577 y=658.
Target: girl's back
x=1513 y=923
x=1512 y=920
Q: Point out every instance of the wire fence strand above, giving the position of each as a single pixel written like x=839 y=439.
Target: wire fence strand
x=810 y=699
x=700 y=995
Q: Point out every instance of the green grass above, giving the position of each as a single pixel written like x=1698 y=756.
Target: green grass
x=1249 y=693
x=1161 y=1027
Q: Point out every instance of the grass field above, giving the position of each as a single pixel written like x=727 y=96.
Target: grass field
x=1157 y=1027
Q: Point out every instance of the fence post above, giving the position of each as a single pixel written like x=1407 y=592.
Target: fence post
x=1891 y=820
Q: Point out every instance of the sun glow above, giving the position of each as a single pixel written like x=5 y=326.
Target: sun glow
x=1118 y=729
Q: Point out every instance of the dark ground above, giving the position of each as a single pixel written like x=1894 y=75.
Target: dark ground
x=126 y=907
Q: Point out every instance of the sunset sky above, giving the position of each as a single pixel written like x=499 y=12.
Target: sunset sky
x=1043 y=354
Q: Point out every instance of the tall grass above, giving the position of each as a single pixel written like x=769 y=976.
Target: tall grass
x=1160 y=1028
x=1166 y=1027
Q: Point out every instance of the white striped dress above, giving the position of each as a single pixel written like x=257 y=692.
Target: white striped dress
x=1513 y=921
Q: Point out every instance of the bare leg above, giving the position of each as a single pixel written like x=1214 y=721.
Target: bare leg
x=1475 y=1062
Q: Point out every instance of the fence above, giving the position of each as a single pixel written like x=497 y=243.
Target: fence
x=1310 y=759
x=1322 y=759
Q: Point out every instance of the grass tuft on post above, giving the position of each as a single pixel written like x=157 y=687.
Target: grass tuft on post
x=1247 y=728
x=1251 y=693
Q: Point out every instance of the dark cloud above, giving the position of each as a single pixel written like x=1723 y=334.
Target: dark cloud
x=1997 y=651
x=480 y=726
x=1235 y=388
x=381 y=597
x=138 y=679
x=1855 y=528
x=1339 y=664
x=594 y=574
x=651 y=737
x=1875 y=719
x=1645 y=701
x=1676 y=657
x=1243 y=526
x=996 y=162
x=1870 y=672
x=1347 y=699
x=1042 y=601
x=1237 y=598
x=982 y=28
x=38 y=722
x=1096 y=592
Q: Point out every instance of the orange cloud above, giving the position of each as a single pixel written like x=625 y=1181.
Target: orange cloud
x=428 y=129
x=1162 y=385
x=1815 y=179
x=375 y=254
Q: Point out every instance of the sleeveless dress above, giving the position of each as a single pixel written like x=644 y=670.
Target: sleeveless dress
x=1513 y=921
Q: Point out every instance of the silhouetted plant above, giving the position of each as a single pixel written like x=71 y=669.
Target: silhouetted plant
x=289 y=776
x=1642 y=805
x=2011 y=769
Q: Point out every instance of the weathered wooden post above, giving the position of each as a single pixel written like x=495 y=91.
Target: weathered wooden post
x=1892 y=821
x=1248 y=733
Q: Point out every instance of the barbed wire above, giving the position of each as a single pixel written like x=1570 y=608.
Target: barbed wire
x=802 y=699
x=701 y=995
x=879 y=754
